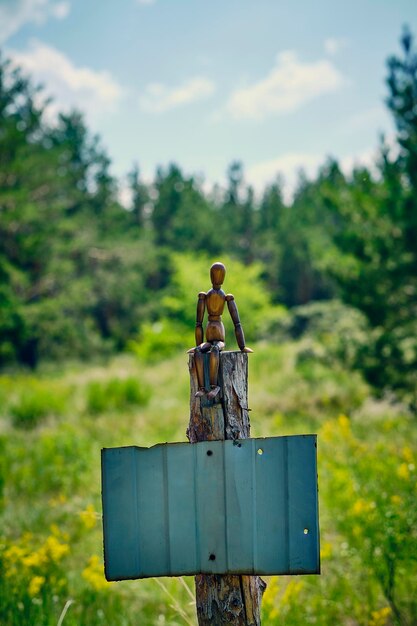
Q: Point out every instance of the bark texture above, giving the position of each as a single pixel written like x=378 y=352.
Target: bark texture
x=224 y=599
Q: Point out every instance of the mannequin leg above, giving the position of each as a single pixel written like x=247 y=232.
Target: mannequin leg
x=214 y=368
x=199 y=366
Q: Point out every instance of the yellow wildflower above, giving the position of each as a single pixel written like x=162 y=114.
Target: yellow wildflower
x=54 y=549
x=12 y=558
x=89 y=517
x=379 y=618
x=94 y=575
x=362 y=506
x=389 y=425
x=395 y=499
x=59 y=500
x=35 y=559
x=408 y=454
x=403 y=471
x=270 y=601
x=327 y=433
x=344 y=424
x=14 y=553
x=326 y=550
x=35 y=585
x=57 y=532
x=292 y=591
x=271 y=591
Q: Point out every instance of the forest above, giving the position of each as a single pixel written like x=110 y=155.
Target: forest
x=97 y=310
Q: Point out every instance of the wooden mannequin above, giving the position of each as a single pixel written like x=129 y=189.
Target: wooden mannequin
x=214 y=300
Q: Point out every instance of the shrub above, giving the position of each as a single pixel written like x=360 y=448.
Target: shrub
x=162 y=340
x=3 y=470
x=54 y=460
x=370 y=490
x=340 y=330
x=174 y=330
x=117 y=394
x=36 y=401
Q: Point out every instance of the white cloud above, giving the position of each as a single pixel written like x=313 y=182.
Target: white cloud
x=91 y=91
x=333 y=45
x=159 y=98
x=125 y=194
x=288 y=166
x=376 y=117
x=366 y=158
x=289 y=85
x=61 y=10
x=16 y=13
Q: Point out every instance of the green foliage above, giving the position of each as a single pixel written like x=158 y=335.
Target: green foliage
x=245 y=282
x=73 y=276
x=367 y=263
x=36 y=401
x=51 y=538
x=372 y=500
x=173 y=332
x=80 y=276
x=58 y=462
x=140 y=198
x=35 y=571
x=51 y=533
x=335 y=332
x=3 y=470
x=161 y=340
x=369 y=239
x=116 y=394
x=182 y=217
x=368 y=547
x=311 y=385
x=402 y=84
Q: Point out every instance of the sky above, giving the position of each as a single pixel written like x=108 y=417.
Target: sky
x=277 y=84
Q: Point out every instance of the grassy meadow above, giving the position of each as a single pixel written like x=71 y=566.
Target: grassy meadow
x=54 y=424
x=97 y=310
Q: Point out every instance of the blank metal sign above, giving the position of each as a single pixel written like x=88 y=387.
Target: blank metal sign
x=248 y=506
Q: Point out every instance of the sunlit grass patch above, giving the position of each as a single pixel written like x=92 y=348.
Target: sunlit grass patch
x=116 y=394
x=51 y=476
x=33 y=400
x=55 y=460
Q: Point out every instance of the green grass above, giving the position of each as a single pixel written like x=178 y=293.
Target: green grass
x=36 y=401
x=54 y=425
x=116 y=394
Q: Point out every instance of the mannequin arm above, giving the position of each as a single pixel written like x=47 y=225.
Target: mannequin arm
x=201 y=305
x=234 y=314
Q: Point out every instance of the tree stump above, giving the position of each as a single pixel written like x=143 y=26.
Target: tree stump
x=224 y=599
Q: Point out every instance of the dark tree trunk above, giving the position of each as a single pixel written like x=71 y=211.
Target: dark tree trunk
x=225 y=599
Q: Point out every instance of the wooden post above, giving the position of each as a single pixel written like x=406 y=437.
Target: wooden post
x=224 y=599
